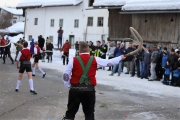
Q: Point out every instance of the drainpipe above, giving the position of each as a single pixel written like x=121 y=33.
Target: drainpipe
x=25 y=22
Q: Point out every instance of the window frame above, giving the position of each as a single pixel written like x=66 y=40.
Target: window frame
x=77 y=23
x=51 y=37
x=35 y=21
x=52 y=22
x=29 y=37
x=14 y=21
x=98 y=22
x=88 y=22
x=61 y=23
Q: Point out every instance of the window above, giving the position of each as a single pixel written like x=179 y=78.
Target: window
x=30 y=37
x=14 y=21
x=51 y=38
x=60 y=22
x=52 y=22
x=100 y=21
x=76 y=23
x=90 y=21
x=36 y=21
x=91 y=3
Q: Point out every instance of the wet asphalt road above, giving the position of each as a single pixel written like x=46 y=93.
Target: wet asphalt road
x=51 y=101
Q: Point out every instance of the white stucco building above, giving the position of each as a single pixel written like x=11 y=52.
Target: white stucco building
x=45 y=17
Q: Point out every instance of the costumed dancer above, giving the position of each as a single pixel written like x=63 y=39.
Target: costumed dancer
x=2 y=44
x=37 y=54
x=24 y=57
x=80 y=78
x=7 y=51
x=19 y=46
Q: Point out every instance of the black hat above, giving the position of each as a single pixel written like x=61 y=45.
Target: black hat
x=172 y=50
x=98 y=41
x=165 y=48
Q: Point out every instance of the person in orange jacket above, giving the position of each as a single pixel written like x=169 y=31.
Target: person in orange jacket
x=65 y=49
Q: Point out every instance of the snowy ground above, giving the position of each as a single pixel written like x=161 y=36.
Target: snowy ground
x=123 y=82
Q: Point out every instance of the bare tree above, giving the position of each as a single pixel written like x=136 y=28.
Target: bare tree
x=5 y=20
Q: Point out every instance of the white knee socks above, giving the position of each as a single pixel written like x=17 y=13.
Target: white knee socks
x=31 y=85
x=18 y=84
x=41 y=71
x=34 y=70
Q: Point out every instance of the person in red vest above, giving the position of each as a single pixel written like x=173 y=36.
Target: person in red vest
x=7 y=51
x=37 y=55
x=80 y=78
x=24 y=57
x=2 y=46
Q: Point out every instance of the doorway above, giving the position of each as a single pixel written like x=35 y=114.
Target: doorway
x=71 y=40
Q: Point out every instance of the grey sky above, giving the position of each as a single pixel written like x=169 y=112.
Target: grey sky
x=11 y=3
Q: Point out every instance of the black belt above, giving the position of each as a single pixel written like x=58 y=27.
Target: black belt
x=82 y=87
x=25 y=62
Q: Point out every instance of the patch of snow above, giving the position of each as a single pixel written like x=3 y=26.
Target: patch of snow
x=109 y=2
x=123 y=82
x=43 y=3
x=15 y=28
x=61 y=2
x=12 y=10
x=151 y=5
x=146 y=115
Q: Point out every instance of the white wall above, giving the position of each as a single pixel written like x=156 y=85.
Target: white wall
x=44 y=15
x=94 y=32
x=68 y=14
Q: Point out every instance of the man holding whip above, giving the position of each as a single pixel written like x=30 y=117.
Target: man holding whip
x=80 y=78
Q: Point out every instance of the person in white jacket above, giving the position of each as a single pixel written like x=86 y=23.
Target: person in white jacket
x=110 y=53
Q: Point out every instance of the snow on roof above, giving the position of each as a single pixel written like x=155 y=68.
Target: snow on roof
x=132 y=5
x=43 y=3
x=15 y=28
x=109 y=2
x=12 y=10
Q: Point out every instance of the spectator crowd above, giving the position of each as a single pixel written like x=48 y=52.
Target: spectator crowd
x=154 y=63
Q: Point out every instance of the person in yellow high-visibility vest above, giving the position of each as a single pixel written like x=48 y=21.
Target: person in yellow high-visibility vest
x=98 y=50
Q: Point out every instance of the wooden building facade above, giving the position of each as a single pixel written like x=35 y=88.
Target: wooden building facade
x=156 y=28
x=157 y=22
x=119 y=24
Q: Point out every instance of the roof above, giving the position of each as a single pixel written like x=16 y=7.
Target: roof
x=15 y=28
x=109 y=3
x=142 y=5
x=47 y=3
x=12 y=10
